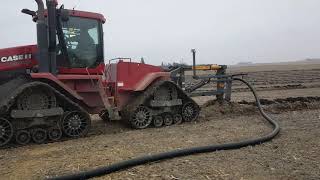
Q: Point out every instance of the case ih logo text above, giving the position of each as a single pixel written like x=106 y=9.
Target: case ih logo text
x=15 y=58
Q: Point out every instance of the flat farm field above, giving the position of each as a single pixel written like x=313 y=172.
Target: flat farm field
x=290 y=95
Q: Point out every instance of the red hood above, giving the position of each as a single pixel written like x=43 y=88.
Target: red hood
x=22 y=57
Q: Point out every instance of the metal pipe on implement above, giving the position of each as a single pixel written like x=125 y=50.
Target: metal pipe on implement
x=194 y=63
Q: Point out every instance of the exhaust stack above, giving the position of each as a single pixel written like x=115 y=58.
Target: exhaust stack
x=52 y=26
x=42 y=39
x=46 y=36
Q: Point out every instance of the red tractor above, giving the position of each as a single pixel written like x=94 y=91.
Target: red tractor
x=49 y=90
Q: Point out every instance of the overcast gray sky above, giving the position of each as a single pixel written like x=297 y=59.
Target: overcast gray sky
x=222 y=31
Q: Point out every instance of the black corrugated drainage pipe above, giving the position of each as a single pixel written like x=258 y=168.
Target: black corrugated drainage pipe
x=181 y=152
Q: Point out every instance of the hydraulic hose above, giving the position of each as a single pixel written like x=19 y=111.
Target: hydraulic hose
x=181 y=152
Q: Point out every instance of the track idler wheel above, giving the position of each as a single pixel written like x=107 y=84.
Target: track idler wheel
x=190 y=112
x=6 y=131
x=177 y=119
x=54 y=134
x=23 y=137
x=39 y=135
x=76 y=124
x=158 y=121
x=141 y=118
x=167 y=119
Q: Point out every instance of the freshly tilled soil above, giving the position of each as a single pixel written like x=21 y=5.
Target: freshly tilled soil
x=294 y=154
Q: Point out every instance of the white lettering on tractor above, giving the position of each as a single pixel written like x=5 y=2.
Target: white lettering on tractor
x=120 y=84
x=3 y=59
x=15 y=58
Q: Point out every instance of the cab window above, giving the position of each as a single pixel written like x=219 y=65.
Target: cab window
x=83 y=42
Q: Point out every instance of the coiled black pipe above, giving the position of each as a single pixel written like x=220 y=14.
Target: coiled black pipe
x=179 y=153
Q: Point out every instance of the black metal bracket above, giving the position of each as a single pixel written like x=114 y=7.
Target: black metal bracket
x=222 y=80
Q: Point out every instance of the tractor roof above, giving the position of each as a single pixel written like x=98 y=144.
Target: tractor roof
x=90 y=15
x=84 y=14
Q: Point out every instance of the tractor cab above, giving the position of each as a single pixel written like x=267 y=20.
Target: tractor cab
x=69 y=41
x=80 y=43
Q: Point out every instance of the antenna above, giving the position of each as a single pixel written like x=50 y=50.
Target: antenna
x=77 y=4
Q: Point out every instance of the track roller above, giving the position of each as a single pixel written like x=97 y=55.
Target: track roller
x=158 y=121
x=167 y=119
x=75 y=124
x=6 y=131
x=54 y=134
x=177 y=119
x=23 y=137
x=39 y=135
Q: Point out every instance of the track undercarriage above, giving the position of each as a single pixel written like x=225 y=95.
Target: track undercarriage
x=162 y=104
x=35 y=111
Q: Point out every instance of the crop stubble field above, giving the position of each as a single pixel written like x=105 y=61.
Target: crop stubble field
x=290 y=95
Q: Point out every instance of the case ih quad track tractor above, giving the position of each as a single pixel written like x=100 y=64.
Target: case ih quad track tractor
x=49 y=90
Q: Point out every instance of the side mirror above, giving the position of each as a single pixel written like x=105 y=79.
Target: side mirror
x=29 y=12
x=64 y=14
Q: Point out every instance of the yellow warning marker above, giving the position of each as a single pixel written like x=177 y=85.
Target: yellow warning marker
x=206 y=67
